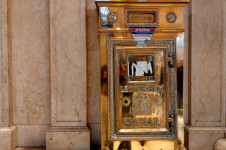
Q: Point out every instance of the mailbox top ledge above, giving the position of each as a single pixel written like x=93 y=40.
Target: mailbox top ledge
x=142 y=1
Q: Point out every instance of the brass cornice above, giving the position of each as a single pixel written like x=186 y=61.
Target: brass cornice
x=127 y=30
x=140 y=3
x=144 y=1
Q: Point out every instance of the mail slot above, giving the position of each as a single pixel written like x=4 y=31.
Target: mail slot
x=141 y=46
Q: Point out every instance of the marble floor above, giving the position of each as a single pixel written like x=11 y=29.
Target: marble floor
x=30 y=148
x=41 y=148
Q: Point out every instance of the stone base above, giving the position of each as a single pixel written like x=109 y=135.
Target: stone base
x=59 y=138
x=8 y=138
x=202 y=138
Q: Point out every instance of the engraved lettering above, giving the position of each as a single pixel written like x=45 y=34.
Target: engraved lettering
x=142 y=121
x=126 y=88
x=141 y=18
x=141 y=89
x=151 y=88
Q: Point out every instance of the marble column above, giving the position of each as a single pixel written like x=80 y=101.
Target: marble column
x=68 y=76
x=8 y=133
x=206 y=113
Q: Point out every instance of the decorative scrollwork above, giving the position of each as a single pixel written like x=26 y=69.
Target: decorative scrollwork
x=171 y=17
x=158 y=101
x=112 y=17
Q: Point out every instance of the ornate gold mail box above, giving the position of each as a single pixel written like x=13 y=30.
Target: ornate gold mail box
x=141 y=67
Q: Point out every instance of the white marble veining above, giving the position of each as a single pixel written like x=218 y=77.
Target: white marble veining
x=208 y=76
x=68 y=140
x=207 y=56
x=1 y=73
x=68 y=76
x=32 y=135
x=4 y=94
x=68 y=62
x=30 y=62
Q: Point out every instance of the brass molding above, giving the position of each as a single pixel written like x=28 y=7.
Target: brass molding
x=119 y=30
x=144 y=1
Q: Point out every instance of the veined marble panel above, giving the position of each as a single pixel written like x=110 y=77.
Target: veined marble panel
x=68 y=62
x=4 y=100
x=223 y=75
x=30 y=61
x=208 y=64
x=73 y=140
x=202 y=138
x=32 y=135
x=8 y=138
x=1 y=75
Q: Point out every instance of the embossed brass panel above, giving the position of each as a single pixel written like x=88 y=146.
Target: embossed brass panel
x=141 y=17
x=141 y=104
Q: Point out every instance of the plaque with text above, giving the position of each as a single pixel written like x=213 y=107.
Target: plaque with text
x=141 y=17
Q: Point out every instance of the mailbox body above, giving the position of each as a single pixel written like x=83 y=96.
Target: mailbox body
x=141 y=85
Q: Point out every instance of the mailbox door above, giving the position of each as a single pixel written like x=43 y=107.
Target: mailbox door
x=142 y=89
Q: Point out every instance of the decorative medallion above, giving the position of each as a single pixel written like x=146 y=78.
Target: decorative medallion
x=126 y=101
x=112 y=17
x=171 y=17
x=158 y=100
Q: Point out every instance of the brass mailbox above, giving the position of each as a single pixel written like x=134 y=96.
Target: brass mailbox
x=141 y=45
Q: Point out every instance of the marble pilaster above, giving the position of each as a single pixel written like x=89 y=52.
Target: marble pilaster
x=68 y=76
x=8 y=132
x=206 y=113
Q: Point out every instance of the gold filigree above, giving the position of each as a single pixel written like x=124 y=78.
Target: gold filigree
x=171 y=17
x=112 y=17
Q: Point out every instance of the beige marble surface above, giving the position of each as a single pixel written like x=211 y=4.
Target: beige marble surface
x=31 y=135
x=30 y=62
x=30 y=148
x=67 y=140
x=68 y=63
x=207 y=72
x=207 y=64
x=8 y=133
x=1 y=73
x=223 y=63
x=8 y=138
x=204 y=138
x=5 y=119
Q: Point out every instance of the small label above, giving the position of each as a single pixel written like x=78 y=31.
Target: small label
x=141 y=17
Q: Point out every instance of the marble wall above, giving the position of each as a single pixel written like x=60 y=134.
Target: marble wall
x=1 y=74
x=207 y=64
x=68 y=62
x=207 y=74
x=29 y=69
x=4 y=98
x=30 y=62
